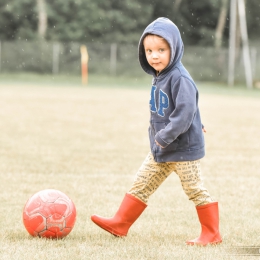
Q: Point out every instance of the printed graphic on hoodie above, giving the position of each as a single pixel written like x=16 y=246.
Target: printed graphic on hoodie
x=163 y=102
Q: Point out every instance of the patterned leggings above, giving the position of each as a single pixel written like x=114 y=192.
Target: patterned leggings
x=151 y=175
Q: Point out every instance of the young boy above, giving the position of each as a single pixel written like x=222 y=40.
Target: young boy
x=176 y=136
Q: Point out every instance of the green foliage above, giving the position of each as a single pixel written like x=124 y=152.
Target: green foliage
x=117 y=21
x=197 y=21
x=102 y=21
x=18 y=19
x=253 y=18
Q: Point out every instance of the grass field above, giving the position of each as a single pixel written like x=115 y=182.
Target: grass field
x=89 y=141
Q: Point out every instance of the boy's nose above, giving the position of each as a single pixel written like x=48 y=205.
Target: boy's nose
x=155 y=55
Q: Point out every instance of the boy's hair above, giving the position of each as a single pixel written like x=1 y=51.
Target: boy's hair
x=151 y=34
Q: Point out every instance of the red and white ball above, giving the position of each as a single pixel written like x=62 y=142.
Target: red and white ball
x=50 y=214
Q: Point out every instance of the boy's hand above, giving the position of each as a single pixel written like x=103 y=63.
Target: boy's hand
x=203 y=129
x=158 y=144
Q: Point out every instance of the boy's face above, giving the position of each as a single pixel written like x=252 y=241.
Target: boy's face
x=157 y=52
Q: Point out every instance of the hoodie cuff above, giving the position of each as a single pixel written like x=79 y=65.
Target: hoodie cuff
x=160 y=141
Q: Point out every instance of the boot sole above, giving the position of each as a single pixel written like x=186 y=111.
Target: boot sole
x=201 y=244
x=108 y=229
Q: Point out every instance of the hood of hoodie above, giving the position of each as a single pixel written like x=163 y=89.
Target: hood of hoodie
x=169 y=31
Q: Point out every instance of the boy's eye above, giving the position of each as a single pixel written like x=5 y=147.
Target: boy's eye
x=149 y=51
x=161 y=50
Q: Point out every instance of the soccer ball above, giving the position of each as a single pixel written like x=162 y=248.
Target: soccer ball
x=50 y=214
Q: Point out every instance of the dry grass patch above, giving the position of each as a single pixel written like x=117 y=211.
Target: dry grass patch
x=89 y=142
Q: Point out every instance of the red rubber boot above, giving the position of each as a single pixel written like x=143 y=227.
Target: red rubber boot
x=130 y=209
x=209 y=220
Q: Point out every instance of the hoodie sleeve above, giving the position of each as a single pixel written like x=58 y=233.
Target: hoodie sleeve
x=181 y=118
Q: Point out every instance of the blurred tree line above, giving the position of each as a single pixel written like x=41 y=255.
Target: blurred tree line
x=200 y=22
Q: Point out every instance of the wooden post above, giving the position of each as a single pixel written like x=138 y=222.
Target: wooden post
x=232 y=42
x=253 y=61
x=244 y=36
x=113 y=58
x=84 y=64
x=0 y=56
x=42 y=18
x=55 y=58
x=221 y=24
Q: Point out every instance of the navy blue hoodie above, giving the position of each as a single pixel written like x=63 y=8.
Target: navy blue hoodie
x=175 y=118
